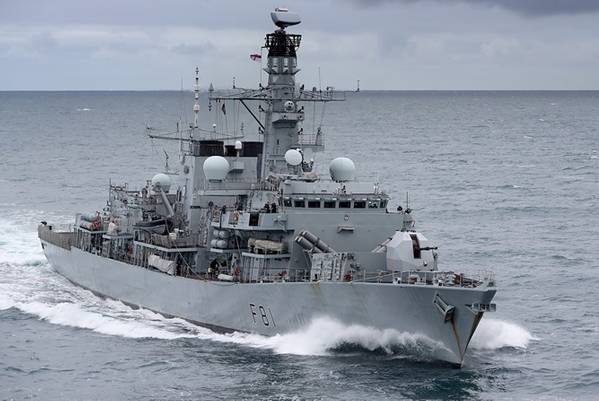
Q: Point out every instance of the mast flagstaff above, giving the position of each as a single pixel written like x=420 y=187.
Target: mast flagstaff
x=196 y=105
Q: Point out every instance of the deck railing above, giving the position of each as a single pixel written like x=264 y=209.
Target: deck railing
x=437 y=278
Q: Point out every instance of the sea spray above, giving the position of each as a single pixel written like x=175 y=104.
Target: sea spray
x=73 y=315
x=495 y=334
x=324 y=335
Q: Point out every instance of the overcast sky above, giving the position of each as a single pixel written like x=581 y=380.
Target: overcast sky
x=387 y=44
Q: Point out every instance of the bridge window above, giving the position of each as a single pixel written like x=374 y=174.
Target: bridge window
x=299 y=203
x=287 y=202
x=314 y=204
x=329 y=204
x=373 y=204
x=360 y=204
x=383 y=204
x=344 y=204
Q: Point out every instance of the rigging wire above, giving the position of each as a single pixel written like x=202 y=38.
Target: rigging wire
x=313 y=118
x=324 y=105
x=226 y=117
x=236 y=118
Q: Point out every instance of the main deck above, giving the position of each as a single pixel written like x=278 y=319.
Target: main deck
x=65 y=236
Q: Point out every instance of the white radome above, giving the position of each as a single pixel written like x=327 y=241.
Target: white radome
x=216 y=168
x=238 y=145
x=293 y=157
x=342 y=169
x=161 y=181
x=289 y=106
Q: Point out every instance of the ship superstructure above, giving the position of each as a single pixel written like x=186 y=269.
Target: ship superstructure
x=249 y=237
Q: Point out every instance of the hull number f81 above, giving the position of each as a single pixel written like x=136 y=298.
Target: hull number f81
x=262 y=314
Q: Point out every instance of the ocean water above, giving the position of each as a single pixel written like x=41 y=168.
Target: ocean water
x=504 y=181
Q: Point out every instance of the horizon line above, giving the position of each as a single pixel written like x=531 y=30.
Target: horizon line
x=336 y=90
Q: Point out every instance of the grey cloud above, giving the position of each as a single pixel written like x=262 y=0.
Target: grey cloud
x=205 y=13
x=43 y=41
x=196 y=50
x=523 y=7
x=388 y=44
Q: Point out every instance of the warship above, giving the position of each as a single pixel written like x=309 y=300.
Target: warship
x=249 y=237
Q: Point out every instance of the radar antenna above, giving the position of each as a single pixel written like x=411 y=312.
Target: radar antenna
x=283 y=18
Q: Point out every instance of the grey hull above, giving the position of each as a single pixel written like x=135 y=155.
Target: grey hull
x=272 y=308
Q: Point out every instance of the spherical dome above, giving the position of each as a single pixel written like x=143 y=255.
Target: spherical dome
x=289 y=106
x=216 y=168
x=238 y=145
x=342 y=169
x=293 y=157
x=161 y=181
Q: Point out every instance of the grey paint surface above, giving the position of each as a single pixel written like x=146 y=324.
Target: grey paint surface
x=406 y=308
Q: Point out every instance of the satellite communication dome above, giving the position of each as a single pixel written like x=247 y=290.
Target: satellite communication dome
x=238 y=145
x=161 y=181
x=216 y=168
x=289 y=106
x=342 y=169
x=293 y=157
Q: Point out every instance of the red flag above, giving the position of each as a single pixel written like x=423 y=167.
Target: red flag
x=255 y=57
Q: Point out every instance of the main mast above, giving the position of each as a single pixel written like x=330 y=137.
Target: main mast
x=282 y=114
x=281 y=126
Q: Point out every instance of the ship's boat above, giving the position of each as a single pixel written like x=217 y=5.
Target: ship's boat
x=157 y=226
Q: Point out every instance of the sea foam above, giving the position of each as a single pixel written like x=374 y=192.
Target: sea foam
x=493 y=334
